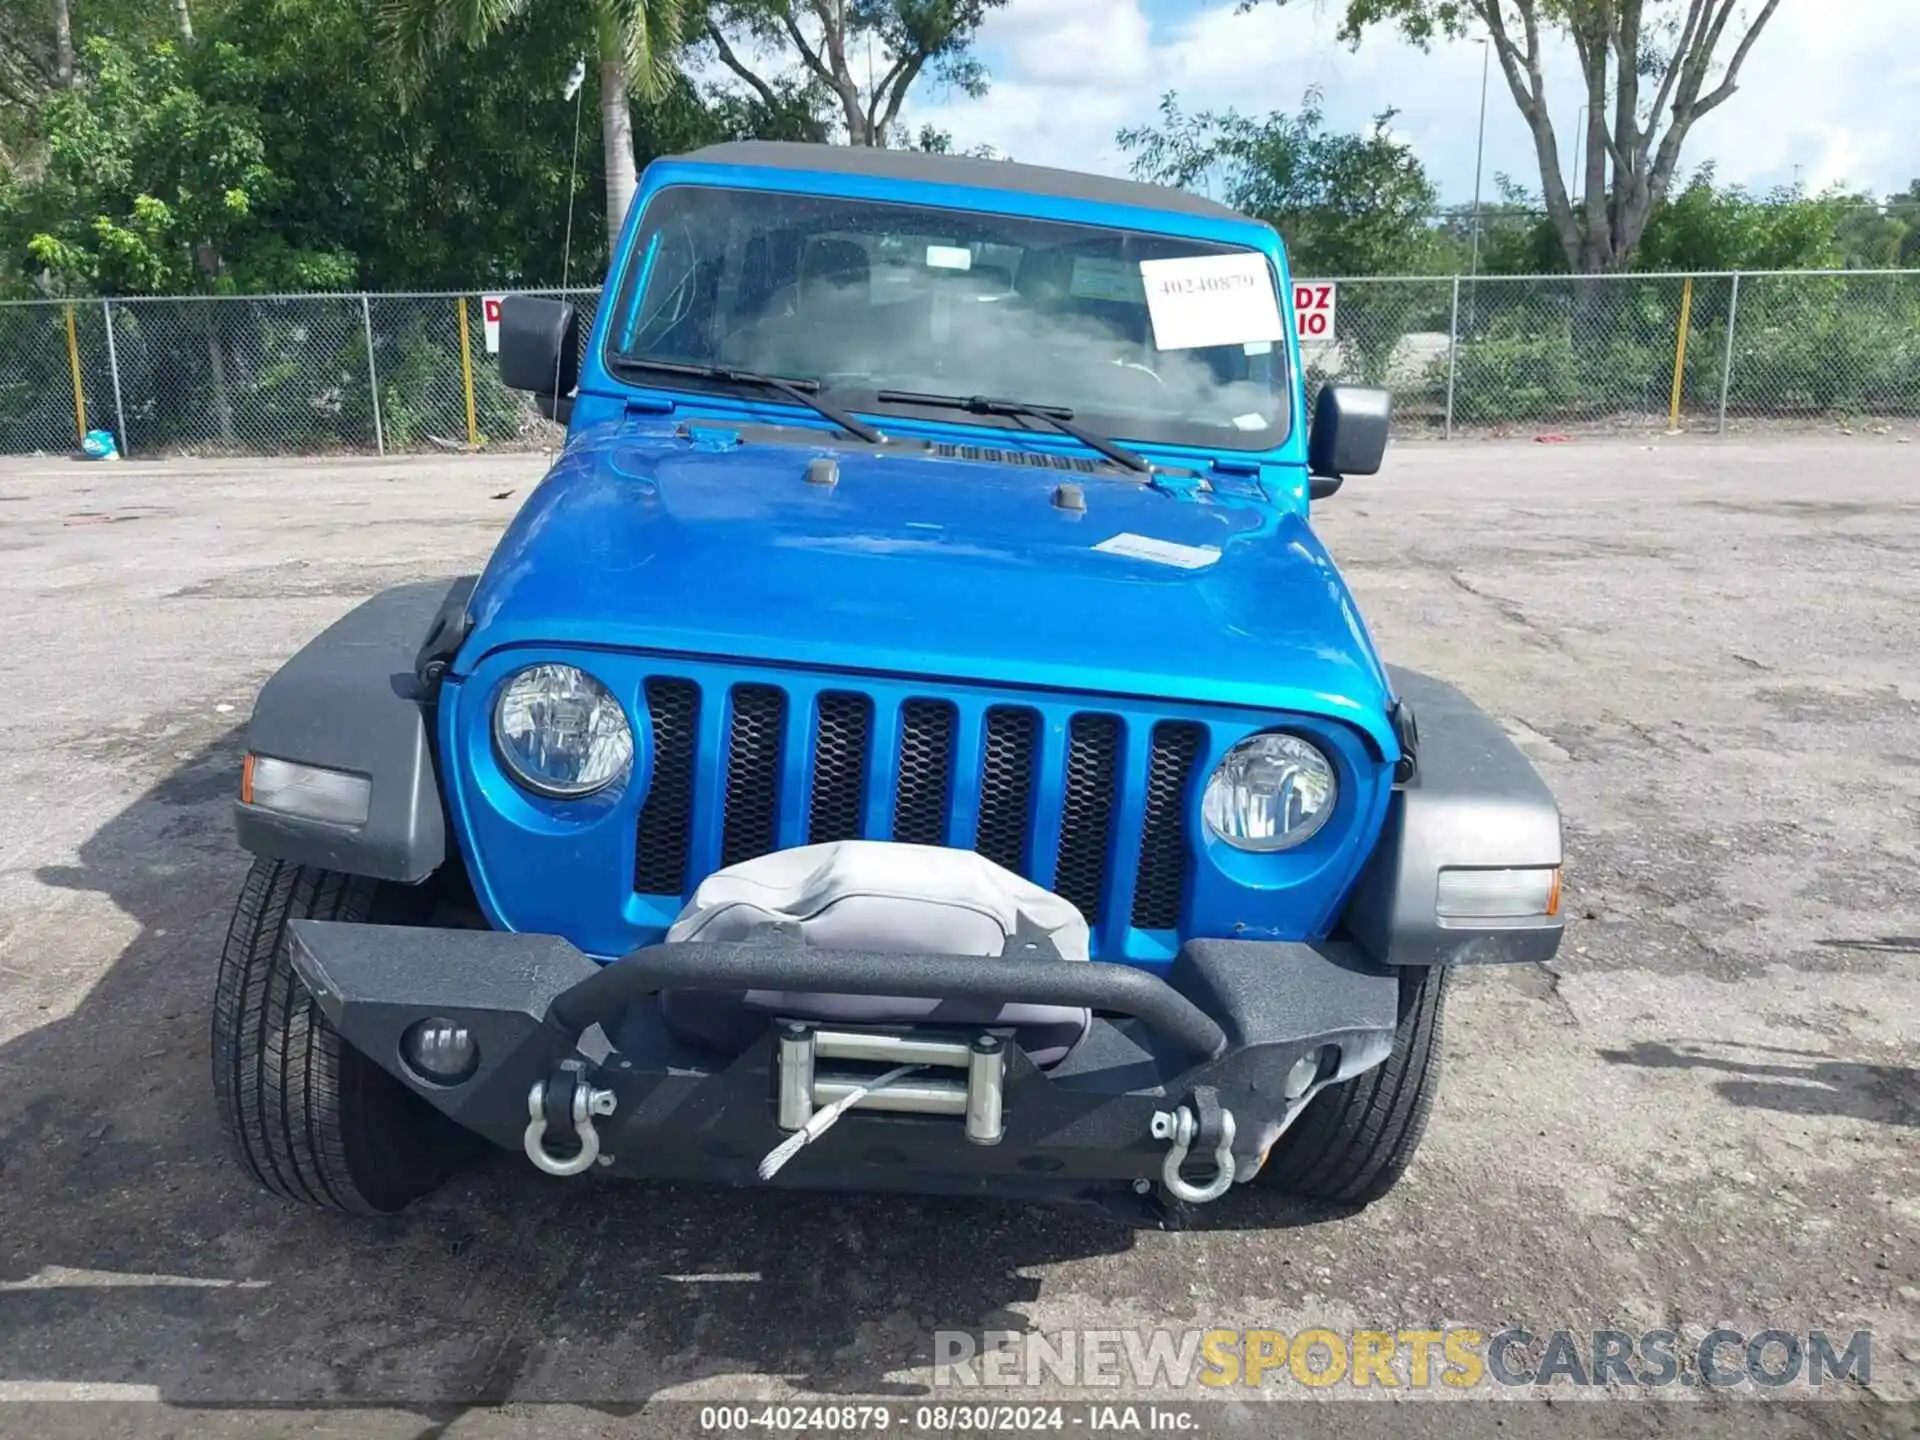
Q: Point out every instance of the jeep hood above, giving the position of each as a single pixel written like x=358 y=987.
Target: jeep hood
x=912 y=564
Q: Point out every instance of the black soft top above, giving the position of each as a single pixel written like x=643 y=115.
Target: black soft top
x=919 y=166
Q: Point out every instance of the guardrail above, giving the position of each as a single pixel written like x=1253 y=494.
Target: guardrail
x=395 y=373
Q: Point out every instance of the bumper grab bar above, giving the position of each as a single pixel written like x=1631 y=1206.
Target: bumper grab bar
x=1002 y=979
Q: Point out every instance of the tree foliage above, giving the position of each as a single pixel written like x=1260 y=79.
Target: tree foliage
x=635 y=43
x=157 y=180
x=1709 y=227
x=1347 y=204
x=1650 y=69
x=263 y=145
x=293 y=106
x=1706 y=226
x=863 y=56
x=39 y=45
x=469 y=182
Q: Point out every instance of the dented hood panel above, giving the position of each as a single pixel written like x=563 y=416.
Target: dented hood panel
x=909 y=564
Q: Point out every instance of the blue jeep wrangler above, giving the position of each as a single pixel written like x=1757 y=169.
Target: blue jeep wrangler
x=912 y=739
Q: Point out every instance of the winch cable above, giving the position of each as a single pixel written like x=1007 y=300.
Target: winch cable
x=823 y=1119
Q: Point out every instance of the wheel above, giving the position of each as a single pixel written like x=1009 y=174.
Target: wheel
x=311 y=1118
x=1355 y=1140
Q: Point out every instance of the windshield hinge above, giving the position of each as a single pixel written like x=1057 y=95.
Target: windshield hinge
x=1238 y=477
x=708 y=437
x=649 y=405
x=1178 y=481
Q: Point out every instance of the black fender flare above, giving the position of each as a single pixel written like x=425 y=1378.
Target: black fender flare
x=359 y=697
x=1473 y=801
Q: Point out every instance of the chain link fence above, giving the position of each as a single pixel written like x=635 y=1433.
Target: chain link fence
x=391 y=374
x=1710 y=352
x=261 y=375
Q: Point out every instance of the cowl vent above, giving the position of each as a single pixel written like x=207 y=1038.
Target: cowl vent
x=1037 y=459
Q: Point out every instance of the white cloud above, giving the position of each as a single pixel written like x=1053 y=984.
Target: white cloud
x=1839 y=98
x=1074 y=44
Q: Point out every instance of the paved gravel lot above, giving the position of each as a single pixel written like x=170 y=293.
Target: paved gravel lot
x=1707 y=1112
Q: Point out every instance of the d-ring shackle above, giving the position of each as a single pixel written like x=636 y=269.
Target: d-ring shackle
x=1180 y=1127
x=587 y=1103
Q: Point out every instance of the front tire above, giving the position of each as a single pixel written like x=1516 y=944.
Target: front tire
x=1356 y=1139
x=310 y=1118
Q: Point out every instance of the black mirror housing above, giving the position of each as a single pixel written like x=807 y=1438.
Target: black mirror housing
x=539 y=346
x=1349 y=435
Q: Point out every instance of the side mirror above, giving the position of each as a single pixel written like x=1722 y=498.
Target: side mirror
x=1349 y=436
x=540 y=351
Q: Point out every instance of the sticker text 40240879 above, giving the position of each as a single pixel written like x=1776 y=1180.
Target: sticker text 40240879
x=1206 y=300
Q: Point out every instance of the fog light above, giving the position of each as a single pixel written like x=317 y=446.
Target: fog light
x=1305 y=1071
x=440 y=1052
x=1498 y=894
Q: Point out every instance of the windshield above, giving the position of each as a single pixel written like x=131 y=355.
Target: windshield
x=1151 y=337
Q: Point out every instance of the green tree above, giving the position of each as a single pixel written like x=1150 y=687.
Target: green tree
x=865 y=56
x=40 y=44
x=1907 y=207
x=1515 y=236
x=1710 y=227
x=932 y=140
x=469 y=184
x=1705 y=226
x=1650 y=70
x=154 y=182
x=1871 y=235
x=1883 y=235
x=634 y=42
x=1347 y=204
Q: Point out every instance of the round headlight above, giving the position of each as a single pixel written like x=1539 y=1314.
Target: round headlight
x=1270 y=793
x=560 y=732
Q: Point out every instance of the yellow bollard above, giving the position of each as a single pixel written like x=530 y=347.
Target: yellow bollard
x=1680 y=356
x=466 y=373
x=79 y=392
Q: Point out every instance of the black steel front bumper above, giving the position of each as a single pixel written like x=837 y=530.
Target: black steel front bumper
x=1253 y=1029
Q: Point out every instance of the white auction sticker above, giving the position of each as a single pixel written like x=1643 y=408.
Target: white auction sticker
x=1160 y=552
x=1211 y=300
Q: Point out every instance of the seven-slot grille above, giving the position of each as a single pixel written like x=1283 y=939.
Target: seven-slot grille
x=743 y=769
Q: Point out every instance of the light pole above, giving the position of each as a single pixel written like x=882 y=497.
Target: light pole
x=1479 y=163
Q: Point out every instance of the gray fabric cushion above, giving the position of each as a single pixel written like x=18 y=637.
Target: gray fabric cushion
x=876 y=895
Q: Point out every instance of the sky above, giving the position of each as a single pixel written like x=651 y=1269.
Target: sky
x=1829 y=96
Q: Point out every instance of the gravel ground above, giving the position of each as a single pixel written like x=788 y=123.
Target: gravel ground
x=1706 y=1112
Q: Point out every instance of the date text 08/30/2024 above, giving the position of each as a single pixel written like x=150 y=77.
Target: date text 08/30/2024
x=921 y=1419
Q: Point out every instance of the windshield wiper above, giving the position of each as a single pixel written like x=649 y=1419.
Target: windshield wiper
x=801 y=392
x=1057 y=416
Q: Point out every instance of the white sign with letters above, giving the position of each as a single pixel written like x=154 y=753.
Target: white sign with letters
x=490 y=319
x=1204 y=300
x=1314 y=306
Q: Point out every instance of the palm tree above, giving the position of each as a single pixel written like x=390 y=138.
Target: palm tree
x=635 y=40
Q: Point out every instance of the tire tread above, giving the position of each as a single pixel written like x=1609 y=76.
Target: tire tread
x=310 y=1119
